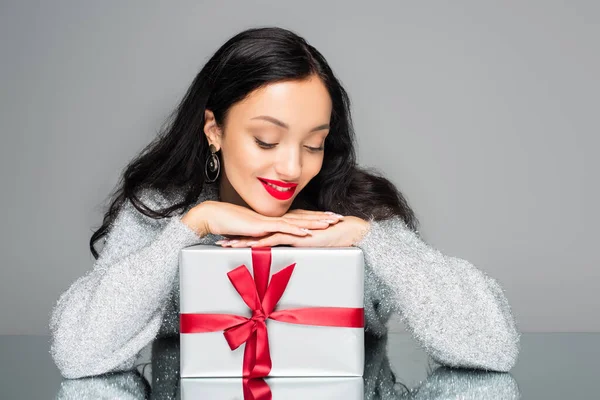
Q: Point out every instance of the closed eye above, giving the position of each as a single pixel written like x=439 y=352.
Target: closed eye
x=263 y=144
x=315 y=149
x=272 y=145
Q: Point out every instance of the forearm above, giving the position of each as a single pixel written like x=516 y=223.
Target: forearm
x=457 y=313
x=103 y=320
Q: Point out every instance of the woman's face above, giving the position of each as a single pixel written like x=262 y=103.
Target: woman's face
x=276 y=135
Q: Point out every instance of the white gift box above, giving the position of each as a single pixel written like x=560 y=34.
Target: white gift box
x=343 y=388
x=322 y=277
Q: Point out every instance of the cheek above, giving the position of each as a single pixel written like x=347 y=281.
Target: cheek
x=238 y=150
x=244 y=159
x=312 y=165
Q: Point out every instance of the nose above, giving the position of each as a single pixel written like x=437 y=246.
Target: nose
x=289 y=165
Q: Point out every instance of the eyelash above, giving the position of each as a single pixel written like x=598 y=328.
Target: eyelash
x=267 y=146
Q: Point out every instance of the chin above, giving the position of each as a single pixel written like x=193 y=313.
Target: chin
x=271 y=210
x=272 y=214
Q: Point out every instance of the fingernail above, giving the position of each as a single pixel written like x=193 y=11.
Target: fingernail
x=251 y=243
x=334 y=214
x=232 y=241
x=306 y=230
x=329 y=221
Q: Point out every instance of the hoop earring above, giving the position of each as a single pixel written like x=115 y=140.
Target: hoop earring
x=212 y=164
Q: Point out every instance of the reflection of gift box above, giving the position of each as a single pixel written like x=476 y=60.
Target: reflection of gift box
x=341 y=388
x=232 y=325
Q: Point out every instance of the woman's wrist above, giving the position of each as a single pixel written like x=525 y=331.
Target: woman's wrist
x=195 y=220
x=362 y=227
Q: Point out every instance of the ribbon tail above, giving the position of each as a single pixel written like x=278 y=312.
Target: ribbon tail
x=256 y=389
x=279 y=282
x=262 y=366
x=257 y=359
x=243 y=283
x=249 y=356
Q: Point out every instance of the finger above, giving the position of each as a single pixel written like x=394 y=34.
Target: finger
x=236 y=238
x=276 y=239
x=249 y=241
x=243 y=243
x=298 y=213
x=226 y=243
x=280 y=225
x=311 y=217
x=302 y=211
x=311 y=224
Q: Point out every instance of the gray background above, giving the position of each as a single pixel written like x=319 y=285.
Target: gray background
x=485 y=114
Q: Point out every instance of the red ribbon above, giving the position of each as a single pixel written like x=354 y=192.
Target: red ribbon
x=256 y=389
x=262 y=297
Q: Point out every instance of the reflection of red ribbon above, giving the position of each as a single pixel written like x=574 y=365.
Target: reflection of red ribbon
x=262 y=301
x=256 y=389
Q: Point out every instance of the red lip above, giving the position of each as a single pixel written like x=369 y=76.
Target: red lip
x=288 y=194
x=279 y=183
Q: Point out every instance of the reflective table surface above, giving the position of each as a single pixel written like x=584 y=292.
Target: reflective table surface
x=550 y=366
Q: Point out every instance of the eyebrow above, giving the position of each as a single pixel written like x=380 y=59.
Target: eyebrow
x=286 y=126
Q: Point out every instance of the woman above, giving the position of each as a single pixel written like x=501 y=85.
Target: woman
x=261 y=150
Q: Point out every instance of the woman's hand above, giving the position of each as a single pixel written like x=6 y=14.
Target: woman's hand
x=348 y=232
x=228 y=219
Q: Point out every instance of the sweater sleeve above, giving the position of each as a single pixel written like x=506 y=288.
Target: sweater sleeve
x=106 y=317
x=123 y=386
x=458 y=314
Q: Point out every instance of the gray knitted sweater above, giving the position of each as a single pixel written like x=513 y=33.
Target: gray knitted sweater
x=458 y=314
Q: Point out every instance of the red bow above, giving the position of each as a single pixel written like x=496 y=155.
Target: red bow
x=262 y=299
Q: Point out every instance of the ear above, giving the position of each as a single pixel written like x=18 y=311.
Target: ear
x=211 y=129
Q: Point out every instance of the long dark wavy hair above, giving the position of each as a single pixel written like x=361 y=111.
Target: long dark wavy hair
x=175 y=159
